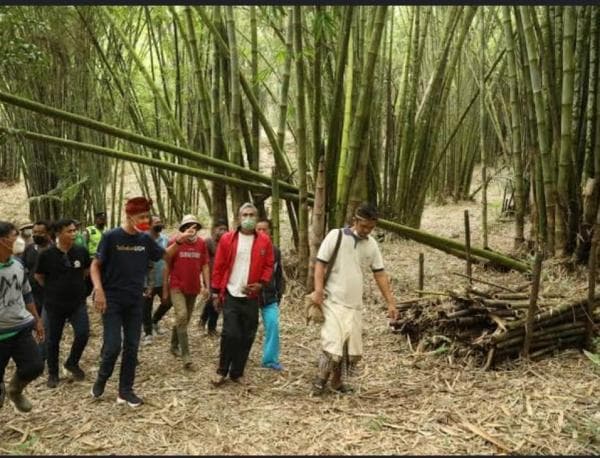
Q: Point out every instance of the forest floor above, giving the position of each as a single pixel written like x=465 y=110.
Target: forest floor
x=405 y=402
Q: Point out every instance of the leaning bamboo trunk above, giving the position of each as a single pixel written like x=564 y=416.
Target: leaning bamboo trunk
x=303 y=249
x=318 y=221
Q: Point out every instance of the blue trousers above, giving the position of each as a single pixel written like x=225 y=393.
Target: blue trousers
x=270 y=319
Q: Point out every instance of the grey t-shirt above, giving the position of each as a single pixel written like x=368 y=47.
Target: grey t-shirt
x=15 y=291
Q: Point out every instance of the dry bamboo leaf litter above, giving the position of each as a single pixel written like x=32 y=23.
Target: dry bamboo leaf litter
x=401 y=404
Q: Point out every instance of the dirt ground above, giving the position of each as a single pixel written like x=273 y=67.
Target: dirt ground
x=405 y=402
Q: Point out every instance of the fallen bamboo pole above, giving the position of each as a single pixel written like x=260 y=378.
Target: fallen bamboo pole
x=485 y=282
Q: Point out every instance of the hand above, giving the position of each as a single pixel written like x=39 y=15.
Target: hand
x=148 y=293
x=100 y=300
x=217 y=303
x=392 y=311
x=252 y=288
x=318 y=297
x=203 y=294
x=40 y=333
x=188 y=234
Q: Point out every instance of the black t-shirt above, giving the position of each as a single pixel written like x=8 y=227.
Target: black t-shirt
x=64 y=283
x=30 y=257
x=125 y=259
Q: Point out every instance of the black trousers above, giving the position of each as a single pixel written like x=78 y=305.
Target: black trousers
x=162 y=308
x=24 y=351
x=240 y=321
x=210 y=315
x=57 y=318
x=147 y=318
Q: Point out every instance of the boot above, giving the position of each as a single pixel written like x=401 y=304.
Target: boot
x=15 y=394
x=175 y=342
x=182 y=335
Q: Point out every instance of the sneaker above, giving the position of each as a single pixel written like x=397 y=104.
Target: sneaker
x=147 y=339
x=52 y=381
x=275 y=366
x=97 y=389
x=130 y=398
x=75 y=371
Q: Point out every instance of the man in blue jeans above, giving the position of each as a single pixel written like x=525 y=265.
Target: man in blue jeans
x=270 y=300
x=62 y=270
x=118 y=273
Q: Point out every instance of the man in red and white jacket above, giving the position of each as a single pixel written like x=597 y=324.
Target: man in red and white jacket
x=243 y=266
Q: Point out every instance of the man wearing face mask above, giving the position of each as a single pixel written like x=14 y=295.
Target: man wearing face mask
x=41 y=242
x=184 y=270
x=243 y=266
x=118 y=273
x=24 y=239
x=18 y=317
x=210 y=314
x=341 y=298
x=156 y=281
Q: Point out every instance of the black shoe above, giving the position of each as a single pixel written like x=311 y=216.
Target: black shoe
x=52 y=381
x=97 y=389
x=2 y=394
x=75 y=371
x=130 y=398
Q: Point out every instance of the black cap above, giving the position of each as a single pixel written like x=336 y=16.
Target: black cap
x=99 y=214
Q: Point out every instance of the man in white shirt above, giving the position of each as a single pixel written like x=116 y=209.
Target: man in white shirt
x=341 y=298
x=243 y=266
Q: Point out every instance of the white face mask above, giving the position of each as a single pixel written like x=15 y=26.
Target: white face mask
x=19 y=246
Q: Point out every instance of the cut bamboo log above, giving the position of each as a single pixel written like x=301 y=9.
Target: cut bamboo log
x=535 y=287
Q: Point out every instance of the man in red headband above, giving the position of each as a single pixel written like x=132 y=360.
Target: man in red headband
x=118 y=272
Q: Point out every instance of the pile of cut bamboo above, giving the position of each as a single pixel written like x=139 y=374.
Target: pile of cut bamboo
x=491 y=324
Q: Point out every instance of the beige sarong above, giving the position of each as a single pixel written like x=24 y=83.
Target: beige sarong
x=343 y=325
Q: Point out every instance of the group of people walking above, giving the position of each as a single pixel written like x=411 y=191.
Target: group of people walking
x=238 y=273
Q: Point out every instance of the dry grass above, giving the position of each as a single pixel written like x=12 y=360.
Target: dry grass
x=405 y=402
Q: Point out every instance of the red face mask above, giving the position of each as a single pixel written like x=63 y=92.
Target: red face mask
x=142 y=227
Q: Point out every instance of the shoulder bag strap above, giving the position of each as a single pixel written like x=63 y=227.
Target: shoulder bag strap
x=333 y=257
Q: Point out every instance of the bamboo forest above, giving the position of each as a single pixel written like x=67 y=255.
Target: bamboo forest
x=176 y=182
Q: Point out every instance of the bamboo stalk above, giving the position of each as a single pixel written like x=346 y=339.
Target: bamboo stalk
x=275 y=206
x=140 y=139
x=485 y=282
x=468 y=247
x=421 y=272
x=589 y=322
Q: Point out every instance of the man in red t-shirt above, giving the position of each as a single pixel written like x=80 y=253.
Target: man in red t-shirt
x=183 y=272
